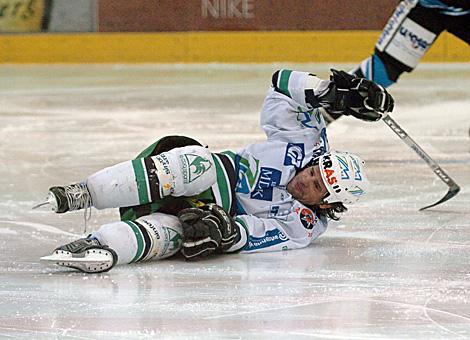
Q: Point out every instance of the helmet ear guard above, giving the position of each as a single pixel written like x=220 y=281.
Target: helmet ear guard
x=344 y=177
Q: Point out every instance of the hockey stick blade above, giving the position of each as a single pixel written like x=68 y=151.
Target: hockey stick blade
x=453 y=187
x=454 y=190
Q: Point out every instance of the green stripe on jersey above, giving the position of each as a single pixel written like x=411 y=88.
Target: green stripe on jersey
x=141 y=179
x=139 y=238
x=284 y=82
x=149 y=151
x=243 y=224
x=223 y=183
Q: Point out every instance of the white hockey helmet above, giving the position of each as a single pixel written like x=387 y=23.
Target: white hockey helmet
x=344 y=177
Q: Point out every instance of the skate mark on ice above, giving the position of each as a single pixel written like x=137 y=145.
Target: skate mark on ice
x=41 y=227
x=273 y=309
x=425 y=310
x=336 y=335
x=432 y=235
x=52 y=333
x=424 y=307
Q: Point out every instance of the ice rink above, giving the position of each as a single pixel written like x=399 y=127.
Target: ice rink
x=385 y=271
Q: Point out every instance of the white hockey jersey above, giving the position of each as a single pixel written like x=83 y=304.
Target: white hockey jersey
x=269 y=218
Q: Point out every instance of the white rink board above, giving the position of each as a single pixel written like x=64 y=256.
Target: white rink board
x=385 y=271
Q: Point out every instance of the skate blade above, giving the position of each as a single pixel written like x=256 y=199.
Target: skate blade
x=48 y=201
x=90 y=261
x=40 y=205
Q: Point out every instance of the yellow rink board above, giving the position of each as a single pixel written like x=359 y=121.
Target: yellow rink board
x=202 y=47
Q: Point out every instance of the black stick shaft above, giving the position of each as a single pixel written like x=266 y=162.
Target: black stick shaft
x=454 y=188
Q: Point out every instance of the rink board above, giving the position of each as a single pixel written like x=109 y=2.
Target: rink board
x=208 y=47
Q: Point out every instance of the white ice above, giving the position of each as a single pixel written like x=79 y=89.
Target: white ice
x=385 y=271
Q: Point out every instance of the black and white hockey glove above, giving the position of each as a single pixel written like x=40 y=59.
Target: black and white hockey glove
x=358 y=97
x=206 y=231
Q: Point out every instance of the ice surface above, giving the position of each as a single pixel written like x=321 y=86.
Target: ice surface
x=385 y=271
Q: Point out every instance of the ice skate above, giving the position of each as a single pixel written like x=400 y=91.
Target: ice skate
x=86 y=255
x=67 y=198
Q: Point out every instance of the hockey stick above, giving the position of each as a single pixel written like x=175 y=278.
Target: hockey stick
x=453 y=187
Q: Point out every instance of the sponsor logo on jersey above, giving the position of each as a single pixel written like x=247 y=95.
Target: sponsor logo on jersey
x=193 y=166
x=267 y=180
x=305 y=118
x=295 y=153
x=172 y=241
x=402 y=10
x=164 y=162
x=308 y=218
x=163 y=171
x=152 y=227
x=271 y=238
x=408 y=43
x=247 y=175
x=416 y=41
x=275 y=211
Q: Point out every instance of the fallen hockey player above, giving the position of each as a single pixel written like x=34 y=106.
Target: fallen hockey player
x=269 y=196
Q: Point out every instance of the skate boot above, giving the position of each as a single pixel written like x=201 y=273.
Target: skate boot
x=85 y=254
x=68 y=198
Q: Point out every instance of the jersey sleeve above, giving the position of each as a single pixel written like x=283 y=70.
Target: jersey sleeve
x=291 y=109
x=296 y=230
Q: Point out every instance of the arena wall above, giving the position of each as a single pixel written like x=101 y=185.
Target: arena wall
x=232 y=31
x=242 y=15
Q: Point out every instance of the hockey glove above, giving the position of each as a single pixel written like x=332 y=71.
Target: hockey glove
x=357 y=97
x=206 y=231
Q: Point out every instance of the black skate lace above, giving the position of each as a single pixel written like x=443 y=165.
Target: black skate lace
x=78 y=198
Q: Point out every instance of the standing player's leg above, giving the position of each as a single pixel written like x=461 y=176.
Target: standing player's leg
x=408 y=35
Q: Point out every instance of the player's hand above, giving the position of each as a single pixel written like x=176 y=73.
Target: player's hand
x=359 y=97
x=206 y=231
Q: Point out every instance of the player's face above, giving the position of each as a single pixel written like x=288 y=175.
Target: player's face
x=307 y=186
